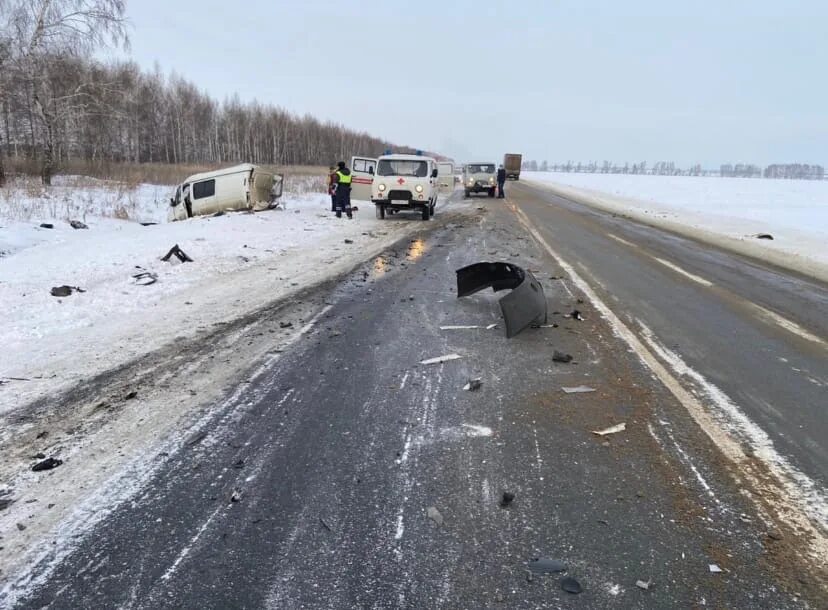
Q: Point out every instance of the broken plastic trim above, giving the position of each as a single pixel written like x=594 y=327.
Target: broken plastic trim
x=524 y=306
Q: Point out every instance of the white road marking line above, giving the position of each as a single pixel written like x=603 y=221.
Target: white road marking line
x=687 y=274
x=404 y=381
x=621 y=240
x=186 y=550
x=791 y=327
x=792 y=489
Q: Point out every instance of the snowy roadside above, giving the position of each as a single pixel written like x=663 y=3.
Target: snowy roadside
x=241 y=262
x=726 y=212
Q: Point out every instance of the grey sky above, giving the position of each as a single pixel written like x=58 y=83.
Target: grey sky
x=707 y=81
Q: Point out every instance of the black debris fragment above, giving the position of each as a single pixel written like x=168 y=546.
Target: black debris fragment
x=5 y=503
x=77 y=224
x=64 y=291
x=147 y=224
x=570 y=585
x=349 y=241
x=285 y=324
x=178 y=253
x=131 y=395
x=145 y=278
x=235 y=496
x=507 y=499
x=325 y=524
x=576 y=315
x=39 y=456
x=561 y=357
x=543 y=565
x=47 y=464
x=47 y=225
x=764 y=236
x=21 y=527
x=473 y=385
x=43 y=434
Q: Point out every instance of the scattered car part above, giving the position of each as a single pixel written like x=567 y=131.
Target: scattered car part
x=47 y=464
x=178 y=253
x=77 y=224
x=570 y=585
x=441 y=359
x=561 y=357
x=581 y=389
x=64 y=291
x=611 y=430
x=524 y=306
x=543 y=565
x=473 y=385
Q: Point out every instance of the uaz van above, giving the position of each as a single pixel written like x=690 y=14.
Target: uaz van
x=396 y=182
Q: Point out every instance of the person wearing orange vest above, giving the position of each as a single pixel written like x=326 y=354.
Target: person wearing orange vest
x=343 y=177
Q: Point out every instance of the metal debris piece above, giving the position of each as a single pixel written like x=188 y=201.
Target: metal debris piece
x=714 y=568
x=441 y=359
x=64 y=291
x=145 y=278
x=641 y=584
x=77 y=224
x=570 y=585
x=543 y=565
x=561 y=357
x=473 y=385
x=524 y=306
x=434 y=515
x=578 y=390
x=47 y=464
x=611 y=430
x=178 y=253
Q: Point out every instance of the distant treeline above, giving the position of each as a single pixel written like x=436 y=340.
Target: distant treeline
x=58 y=105
x=796 y=171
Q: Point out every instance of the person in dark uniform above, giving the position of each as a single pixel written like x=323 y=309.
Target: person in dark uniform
x=332 y=186
x=343 y=190
x=501 y=180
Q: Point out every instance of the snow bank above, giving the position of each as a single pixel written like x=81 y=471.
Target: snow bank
x=728 y=212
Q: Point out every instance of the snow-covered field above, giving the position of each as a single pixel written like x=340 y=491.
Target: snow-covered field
x=242 y=262
x=726 y=211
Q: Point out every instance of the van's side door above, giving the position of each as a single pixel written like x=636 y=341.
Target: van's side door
x=362 y=170
x=445 y=175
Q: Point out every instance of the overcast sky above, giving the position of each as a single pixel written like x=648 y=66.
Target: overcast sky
x=709 y=81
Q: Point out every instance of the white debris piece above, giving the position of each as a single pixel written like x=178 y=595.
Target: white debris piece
x=611 y=430
x=578 y=390
x=491 y=327
x=435 y=515
x=441 y=359
x=460 y=327
x=714 y=568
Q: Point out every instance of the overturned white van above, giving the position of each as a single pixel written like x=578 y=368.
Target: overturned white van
x=241 y=187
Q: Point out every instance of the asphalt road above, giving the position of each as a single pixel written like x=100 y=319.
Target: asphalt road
x=312 y=488
x=757 y=333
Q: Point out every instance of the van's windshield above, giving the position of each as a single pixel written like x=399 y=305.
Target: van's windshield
x=414 y=169
x=481 y=169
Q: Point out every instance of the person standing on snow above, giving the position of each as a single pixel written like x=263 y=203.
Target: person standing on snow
x=501 y=181
x=343 y=190
x=332 y=186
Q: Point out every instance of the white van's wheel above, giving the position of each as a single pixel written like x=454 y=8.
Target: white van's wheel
x=380 y=210
x=426 y=212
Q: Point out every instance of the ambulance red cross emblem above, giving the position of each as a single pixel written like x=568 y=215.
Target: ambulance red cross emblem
x=401 y=181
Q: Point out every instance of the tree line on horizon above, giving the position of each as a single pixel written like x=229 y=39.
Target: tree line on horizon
x=58 y=104
x=792 y=171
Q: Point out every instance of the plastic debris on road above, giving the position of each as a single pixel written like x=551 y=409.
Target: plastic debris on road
x=441 y=359
x=570 y=585
x=581 y=389
x=714 y=568
x=611 y=430
x=561 y=357
x=642 y=584
x=473 y=385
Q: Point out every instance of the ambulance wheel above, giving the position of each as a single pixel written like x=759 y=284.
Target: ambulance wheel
x=380 y=210
x=426 y=213
x=431 y=209
x=468 y=193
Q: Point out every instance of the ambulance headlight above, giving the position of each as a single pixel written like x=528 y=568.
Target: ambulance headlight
x=419 y=188
x=381 y=188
